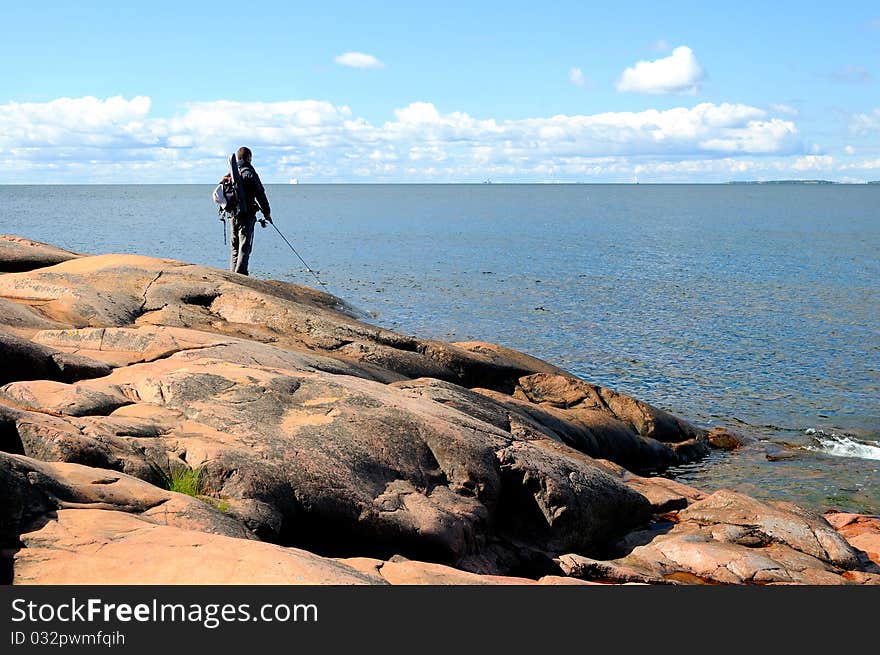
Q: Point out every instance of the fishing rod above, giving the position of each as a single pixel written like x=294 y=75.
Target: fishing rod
x=308 y=268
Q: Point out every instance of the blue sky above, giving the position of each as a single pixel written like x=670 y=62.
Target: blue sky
x=451 y=92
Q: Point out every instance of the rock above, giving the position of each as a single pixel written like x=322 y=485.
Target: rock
x=862 y=577
x=132 y=345
x=729 y=538
x=687 y=555
x=568 y=392
x=753 y=522
x=18 y=254
x=727 y=439
x=20 y=318
x=400 y=571
x=73 y=524
x=478 y=405
x=343 y=460
x=665 y=495
x=315 y=430
x=603 y=423
x=99 y=546
x=586 y=568
x=24 y=360
x=32 y=490
x=121 y=290
x=407 y=572
x=60 y=398
x=861 y=531
x=560 y=502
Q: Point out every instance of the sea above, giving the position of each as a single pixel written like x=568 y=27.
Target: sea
x=751 y=306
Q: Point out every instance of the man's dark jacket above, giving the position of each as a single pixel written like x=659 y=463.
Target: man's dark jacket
x=253 y=187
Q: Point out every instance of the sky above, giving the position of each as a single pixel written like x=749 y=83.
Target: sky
x=162 y=92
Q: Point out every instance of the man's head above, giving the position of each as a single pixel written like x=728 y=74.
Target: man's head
x=244 y=154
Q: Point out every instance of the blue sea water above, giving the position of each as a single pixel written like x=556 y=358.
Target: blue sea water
x=753 y=306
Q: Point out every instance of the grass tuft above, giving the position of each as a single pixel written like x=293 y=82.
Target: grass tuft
x=187 y=481
x=190 y=481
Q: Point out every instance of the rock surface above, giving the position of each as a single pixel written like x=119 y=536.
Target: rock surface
x=416 y=461
x=730 y=538
x=107 y=547
x=862 y=532
x=18 y=254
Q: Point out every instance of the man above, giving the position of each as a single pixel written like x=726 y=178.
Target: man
x=243 y=224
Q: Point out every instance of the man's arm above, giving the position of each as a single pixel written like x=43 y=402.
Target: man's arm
x=259 y=193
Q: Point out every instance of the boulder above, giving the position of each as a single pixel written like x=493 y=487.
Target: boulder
x=587 y=568
x=727 y=439
x=19 y=254
x=860 y=530
x=569 y=393
x=743 y=519
x=730 y=538
x=603 y=423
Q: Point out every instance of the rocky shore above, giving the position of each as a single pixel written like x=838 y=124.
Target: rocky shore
x=319 y=449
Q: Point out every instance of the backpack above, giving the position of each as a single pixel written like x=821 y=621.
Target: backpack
x=226 y=198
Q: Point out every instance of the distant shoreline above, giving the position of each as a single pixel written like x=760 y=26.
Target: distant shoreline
x=799 y=182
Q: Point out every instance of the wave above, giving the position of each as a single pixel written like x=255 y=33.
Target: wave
x=842 y=445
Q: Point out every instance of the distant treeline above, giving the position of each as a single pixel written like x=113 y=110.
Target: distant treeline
x=798 y=182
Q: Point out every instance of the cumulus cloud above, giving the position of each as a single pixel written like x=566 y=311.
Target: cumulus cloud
x=358 y=60
x=84 y=121
x=88 y=139
x=576 y=77
x=680 y=72
x=813 y=162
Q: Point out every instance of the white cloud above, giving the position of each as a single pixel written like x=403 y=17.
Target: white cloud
x=418 y=113
x=813 y=162
x=864 y=165
x=576 y=77
x=849 y=150
x=84 y=121
x=680 y=72
x=358 y=60
x=312 y=140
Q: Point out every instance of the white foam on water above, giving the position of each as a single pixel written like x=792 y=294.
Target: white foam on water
x=842 y=445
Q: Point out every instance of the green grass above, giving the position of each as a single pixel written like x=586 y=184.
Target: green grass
x=185 y=480
x=192 y=482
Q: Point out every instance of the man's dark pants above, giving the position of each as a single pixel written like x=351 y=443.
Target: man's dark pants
x=242 y=242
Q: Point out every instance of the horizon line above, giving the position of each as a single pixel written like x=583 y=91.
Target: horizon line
x=793 y=182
